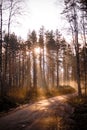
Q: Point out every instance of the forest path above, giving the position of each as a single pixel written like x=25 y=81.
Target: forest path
x=42 y=115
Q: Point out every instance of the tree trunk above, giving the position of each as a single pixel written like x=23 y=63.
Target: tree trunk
x=1 y=85
x=34 y=72
x=57 y=70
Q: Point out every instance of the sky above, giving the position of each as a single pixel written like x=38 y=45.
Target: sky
x=38 y=13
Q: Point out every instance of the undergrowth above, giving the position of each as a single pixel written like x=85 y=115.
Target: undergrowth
x=19 y=96
x=79 y=116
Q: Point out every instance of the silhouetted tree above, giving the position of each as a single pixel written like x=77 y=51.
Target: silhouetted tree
x=71 y=11
x=1 y=85
x=58 y=44
x=33 y=40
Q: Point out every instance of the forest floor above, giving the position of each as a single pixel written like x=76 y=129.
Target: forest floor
x=48 y=114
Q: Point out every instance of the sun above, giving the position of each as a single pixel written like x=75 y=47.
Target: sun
x=37 y=50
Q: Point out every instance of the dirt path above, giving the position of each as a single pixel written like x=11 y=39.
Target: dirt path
x=43 y=115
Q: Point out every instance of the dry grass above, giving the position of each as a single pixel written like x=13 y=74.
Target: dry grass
x=44 y=93
x=18 y=94
x=21 y=94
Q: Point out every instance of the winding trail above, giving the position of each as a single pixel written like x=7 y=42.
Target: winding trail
x=42 y=115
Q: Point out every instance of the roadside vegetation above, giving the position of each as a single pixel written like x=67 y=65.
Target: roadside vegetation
x=79 y=115
x=20 y=96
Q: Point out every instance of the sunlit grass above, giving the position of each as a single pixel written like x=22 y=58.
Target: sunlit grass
x=44 y=93
x=69 y=83
x=18 y=94
x=14 y=98
x=22 y=95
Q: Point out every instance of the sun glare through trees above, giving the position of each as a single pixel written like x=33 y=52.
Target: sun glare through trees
x=37 y=50
x=45 y=64
x=45 y=51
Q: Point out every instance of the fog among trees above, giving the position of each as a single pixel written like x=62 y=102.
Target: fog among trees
x=44 y=59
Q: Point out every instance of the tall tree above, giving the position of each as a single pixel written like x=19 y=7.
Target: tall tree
x=13 y=45
x=71 y=10
x=58 y=43
x=11 y=8
x=1 y=87
x=50 y=45
x=83 y=8
x=33 y=40
x=41 y=55
x=41 y=42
